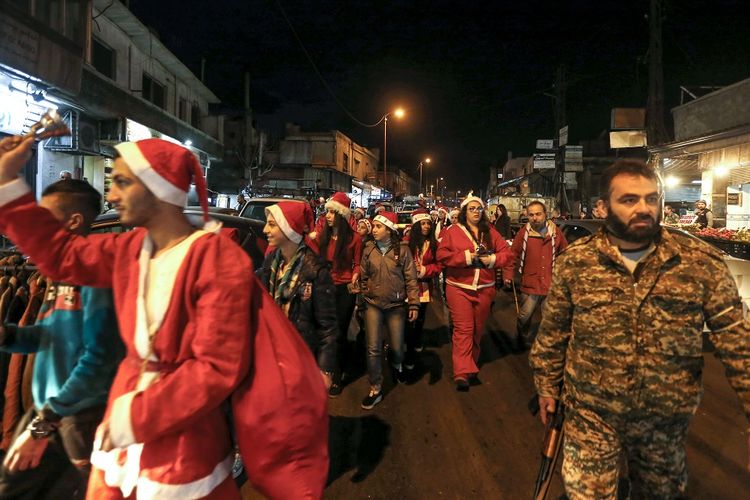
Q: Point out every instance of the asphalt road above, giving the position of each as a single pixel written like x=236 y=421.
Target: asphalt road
x=425 y=440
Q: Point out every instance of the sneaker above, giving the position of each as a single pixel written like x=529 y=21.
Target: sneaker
x=462 y=385
x=373 y=398
x=335 y=391
x=409 y=365
x=419 y=348
x=474 y=380
x=399 y=375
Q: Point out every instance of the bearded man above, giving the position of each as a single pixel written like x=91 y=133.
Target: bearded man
x=620 y=343
x=535 y=248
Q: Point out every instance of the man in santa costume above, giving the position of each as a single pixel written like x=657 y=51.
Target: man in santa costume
x=535 y=248
x=183 y=304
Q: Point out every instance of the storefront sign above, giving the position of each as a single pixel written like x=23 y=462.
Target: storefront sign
x=574 y=158
x=19 y=45
x=545 y=144
x=544 y=161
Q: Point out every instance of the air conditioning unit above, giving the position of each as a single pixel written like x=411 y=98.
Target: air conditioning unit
x=84 y=138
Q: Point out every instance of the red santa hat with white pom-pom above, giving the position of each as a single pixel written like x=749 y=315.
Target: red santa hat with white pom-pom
x=166 y=169
x=388 y=219
x=294 y=218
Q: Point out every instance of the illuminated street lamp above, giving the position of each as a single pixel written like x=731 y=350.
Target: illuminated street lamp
x=398 y=113
x=421 y=165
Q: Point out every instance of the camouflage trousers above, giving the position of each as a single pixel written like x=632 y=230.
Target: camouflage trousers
x=653 y=447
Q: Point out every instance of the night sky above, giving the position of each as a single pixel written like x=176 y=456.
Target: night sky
x=472 y=75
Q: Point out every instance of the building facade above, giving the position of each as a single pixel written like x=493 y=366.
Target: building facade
x=711 y=151
x=109 y=76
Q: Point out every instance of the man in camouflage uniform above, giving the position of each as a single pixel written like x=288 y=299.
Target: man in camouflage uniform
x=622 y=329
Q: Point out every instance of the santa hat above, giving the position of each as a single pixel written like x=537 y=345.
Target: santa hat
x=471 y=198
x=442 y=209
x=454 y=211
x=340 y=203
x=294 y=218
x=379 y=208
x=361 y=210
x=388 y=219
x=367 y=223
x=166 y=169
x=433 y=212
x=419 y=215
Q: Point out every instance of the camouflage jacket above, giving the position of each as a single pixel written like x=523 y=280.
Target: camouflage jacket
x=623 y=345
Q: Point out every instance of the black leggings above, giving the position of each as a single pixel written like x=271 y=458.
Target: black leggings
x=415 y=330
x=344 y=310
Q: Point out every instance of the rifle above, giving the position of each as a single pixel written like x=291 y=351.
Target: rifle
x=553 y=438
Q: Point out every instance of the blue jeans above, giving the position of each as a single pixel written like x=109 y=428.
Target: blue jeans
x=529 y=304
x=394 y=319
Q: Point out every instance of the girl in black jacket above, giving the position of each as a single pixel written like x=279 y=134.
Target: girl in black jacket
x=300 y=281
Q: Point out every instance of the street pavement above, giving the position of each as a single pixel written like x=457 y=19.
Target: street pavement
x=425 y=440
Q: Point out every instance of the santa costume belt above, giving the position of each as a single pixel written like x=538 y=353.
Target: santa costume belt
x=153 y=366
x=424 y=280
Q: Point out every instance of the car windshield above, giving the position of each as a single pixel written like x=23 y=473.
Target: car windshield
x=256 y=210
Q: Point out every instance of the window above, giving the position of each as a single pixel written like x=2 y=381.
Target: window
x=182 y=112
x=195 y=116
x=152 y=90
x=103 y=58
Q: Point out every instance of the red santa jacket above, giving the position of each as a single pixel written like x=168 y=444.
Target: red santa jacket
x=536 y=267
x=202 y=345
x=454 y=254
x=427 y=269
x=342 y=274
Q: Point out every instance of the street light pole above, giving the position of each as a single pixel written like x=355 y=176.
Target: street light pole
x=385 y=151
x=421 y=167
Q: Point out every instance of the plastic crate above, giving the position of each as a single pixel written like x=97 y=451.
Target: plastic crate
x=738 y=249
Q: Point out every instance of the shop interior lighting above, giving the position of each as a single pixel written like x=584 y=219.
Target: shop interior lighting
x=721 y=171
x=188 y=143
x=672 y=181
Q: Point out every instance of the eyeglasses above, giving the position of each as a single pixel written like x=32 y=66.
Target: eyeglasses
x=475 y=209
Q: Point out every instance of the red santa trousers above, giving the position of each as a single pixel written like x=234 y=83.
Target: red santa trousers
x=469 y=311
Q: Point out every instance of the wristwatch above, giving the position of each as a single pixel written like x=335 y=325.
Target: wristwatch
x=41 y=429
x=45 y=423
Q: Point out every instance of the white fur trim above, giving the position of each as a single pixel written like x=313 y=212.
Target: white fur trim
x=140 y=166
x=422 y=272
x=385 y=222
x=419 y=218
x=13 y=190
x=469 y=199
x=120 y=425
x=281 y=221
x=149 y=489
x=468 y=257
x=338 y=207
x=493 y=258
x=129 y=479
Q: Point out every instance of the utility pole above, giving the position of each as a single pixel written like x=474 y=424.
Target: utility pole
x=656 y=129
x=561 y=87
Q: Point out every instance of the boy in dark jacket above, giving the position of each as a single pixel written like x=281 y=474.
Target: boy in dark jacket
x=300 y=281
x=77 y=348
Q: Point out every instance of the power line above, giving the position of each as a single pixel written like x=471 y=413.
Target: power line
x=318 y=73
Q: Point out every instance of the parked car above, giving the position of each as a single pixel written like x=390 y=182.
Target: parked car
x=249 y=231
x=403 y=221
x=740 y=268
x=386 y=204
x=255 y=208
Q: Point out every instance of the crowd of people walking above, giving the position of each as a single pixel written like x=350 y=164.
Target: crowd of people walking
x=116 y=404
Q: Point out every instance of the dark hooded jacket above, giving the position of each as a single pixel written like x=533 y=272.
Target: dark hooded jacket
x=312 y=306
